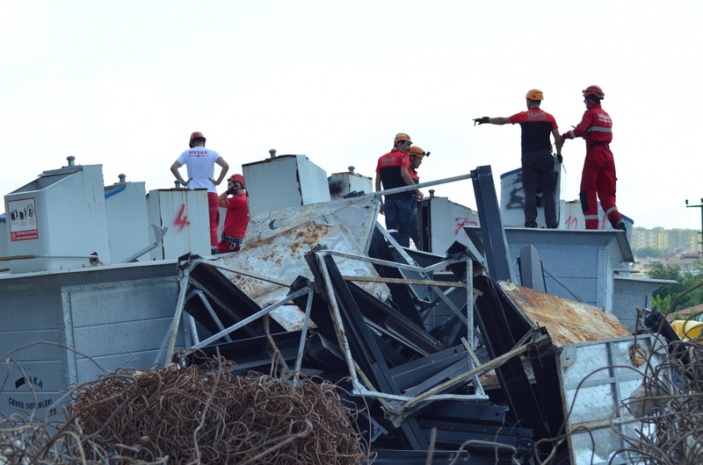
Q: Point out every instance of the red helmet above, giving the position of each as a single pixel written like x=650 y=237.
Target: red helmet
x=194 y=136
x=594 y=91
x=237 y=178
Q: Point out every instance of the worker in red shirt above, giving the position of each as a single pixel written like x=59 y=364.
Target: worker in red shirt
x=392 y=171
x=598 y=178
x=537 y=160
x=236 y=200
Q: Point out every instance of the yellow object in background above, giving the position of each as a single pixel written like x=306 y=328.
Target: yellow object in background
x=688 y=329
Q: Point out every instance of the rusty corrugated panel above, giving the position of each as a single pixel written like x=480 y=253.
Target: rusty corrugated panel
x=567 y=321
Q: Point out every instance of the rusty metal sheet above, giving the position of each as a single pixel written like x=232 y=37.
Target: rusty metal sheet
x=276 y=244
x=357 y=214
x=567 y=321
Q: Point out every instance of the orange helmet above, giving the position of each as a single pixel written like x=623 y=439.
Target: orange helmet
x=535 y=94
x=416 y=151
x=194 y=136
x=237 y=178
x=594 y=91
x=402 y=137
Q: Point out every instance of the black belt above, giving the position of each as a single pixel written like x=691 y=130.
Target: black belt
x=232 y=240
x=597 y=144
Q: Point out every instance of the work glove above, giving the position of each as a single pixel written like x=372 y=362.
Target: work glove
x=560 y=158
x=565 y=136
x=482 y=120
x=231 y=191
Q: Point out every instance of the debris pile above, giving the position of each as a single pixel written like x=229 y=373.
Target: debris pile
x=204 y=414
x=417 y=389
x=437 y=353
x=424 y=358
x=200 y=414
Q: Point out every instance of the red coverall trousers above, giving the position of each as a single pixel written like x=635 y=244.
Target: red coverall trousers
x=213 y=204
x=598 y=182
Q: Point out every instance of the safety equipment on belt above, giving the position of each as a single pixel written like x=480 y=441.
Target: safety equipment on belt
x=534 y=94
x=416 y=151
x=237 y=178
x=594 y=91
x=402 y=137
x=194 y=136
x=482 y=120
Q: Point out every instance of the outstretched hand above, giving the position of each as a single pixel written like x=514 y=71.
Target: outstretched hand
x=482 y=120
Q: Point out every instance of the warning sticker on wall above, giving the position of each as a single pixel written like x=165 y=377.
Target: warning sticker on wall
x=22 y=214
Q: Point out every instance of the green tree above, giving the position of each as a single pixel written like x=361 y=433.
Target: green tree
x=662 y=303
x=686 y=292
x=662 y=271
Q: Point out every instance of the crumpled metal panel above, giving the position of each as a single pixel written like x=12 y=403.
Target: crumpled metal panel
x=567 y=321
x=276 y=244
x=358 y=214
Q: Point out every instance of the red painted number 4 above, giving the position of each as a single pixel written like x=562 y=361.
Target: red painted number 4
x=181 y=221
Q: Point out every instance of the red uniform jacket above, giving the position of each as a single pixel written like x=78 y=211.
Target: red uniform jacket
x=596 y=127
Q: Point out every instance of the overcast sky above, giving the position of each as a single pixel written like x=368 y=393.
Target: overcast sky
x=124 y=83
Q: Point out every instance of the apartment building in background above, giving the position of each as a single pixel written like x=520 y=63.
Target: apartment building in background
x=666 y=240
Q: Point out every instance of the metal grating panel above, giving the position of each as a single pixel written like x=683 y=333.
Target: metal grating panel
x=595 y=378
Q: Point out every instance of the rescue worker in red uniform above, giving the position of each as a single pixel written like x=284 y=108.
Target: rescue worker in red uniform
x=392 y=171
x=236 y=200
x=537 y=160
x=598 y=178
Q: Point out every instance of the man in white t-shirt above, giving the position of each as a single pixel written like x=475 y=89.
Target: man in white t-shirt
x=200 y=163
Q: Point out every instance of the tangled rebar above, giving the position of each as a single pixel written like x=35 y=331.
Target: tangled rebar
x=669 y=409
x=199 y=415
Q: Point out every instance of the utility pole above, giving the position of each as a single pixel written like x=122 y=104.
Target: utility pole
x=701 y=207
